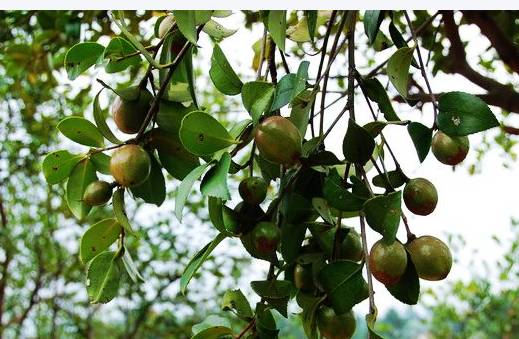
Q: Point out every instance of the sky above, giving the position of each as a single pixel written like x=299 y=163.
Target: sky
x=476 y=207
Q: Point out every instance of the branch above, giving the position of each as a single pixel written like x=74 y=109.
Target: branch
x=505 y=48
x=5 y=265
x=501 y=95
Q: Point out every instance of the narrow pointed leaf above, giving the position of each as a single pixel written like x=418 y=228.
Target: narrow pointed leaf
x=398 y=69
x=185 y=188
x=422 y=137
x=277 y=25
x=100 y=120
x=223 y=76
x=214 y=183
x=120 y=210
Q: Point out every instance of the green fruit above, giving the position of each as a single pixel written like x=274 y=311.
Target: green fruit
x=431 y=257
x=279 y=141
x=247 y=216
x=265 y=237
x=450 y=150
x=130 y=165
x=253 y=190
x=97 y=193
x=129 y=115
x=420 y=196
x=351 y=247
x=303 y=278
x=387 y=262
x=334 y=326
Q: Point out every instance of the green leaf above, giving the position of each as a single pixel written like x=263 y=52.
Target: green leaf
x=422 y=138
x=100 y=120
x=201 y=17
x=301 y=106
x=290 y=86
x=216 y=31
x=81 y=130
x=130 y=267
x=214 y=183
x=265 y=323
x=311 y=19
x=218 y=215
x=407 y=289
x=383 y=214
x=275 y=292
x=186 y=23
x=235 y=300
x=277 y=25
x=343 y=283
x=396 y=178
x=376 y=92
x=223 y=76
x=170 y=115
x=338 y=197
x=103 y=277
x=358 y=144
x=98 y=238
x=375 y=127
x=213 y=327
x=463 y=114
x=370 y=322
x=292 y=236
x=153 y=190
x=321 y=206
x=372 y=21
x=101 y=162
x=117 y=51
x=82 y=175
x=57 y=165
x=185 y=188
x=197 y=261
x=81 y=57
x=223 y=13
x=120 y=211
x=201 y=134
x=310 y=305
x=396 y=36
x=398 y=69
x=257 y=98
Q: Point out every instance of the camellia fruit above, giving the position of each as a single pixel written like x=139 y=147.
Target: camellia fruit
x=97 y=193
x=279 y=141
x=387 y=261
x=431 y=257
x=253 y=190
x=351 y=247
x=420 y=196
x=129 y=115
x=130 y=165
x=333 y=326
x=247 y=216
x=449 y=150
x=303 y=278
x=265 y=237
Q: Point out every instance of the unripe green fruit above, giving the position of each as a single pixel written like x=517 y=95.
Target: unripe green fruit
x=130 y=165
x=165 y=25
x=265 y=237
x=253 y=190
x=431 y=257
x=420 y=196
x=450 y=150
x=388 y=262
x=129 y=115
x=279 y=141
x=97 y=193
x=303 y=278
x=334 y=326
x=351 y=247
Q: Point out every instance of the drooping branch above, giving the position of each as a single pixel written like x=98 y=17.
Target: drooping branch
x=502 y=95
x=505 y=48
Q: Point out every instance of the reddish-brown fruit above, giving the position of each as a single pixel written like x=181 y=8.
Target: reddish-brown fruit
x=279 y=141
x=420 y=196
x=129 y=115
x=387 y=261
x=333 y=326
x=450 y=150
x=431 y=257
x=265 y=237
x=303 y=278
x=253 y=190
x=130 y=165
x=97 y=193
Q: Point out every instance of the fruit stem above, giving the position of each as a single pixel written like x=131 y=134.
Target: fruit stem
x=246 y=329
x=410 y=235
x=372 y=307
